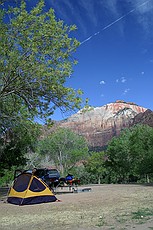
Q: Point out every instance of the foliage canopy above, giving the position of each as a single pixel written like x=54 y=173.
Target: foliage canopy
x=95 y=165
x=132 y=152
x=65 y=148
x=16 y=142
x=36 y=53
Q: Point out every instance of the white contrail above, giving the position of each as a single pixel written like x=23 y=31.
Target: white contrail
x=112 y=23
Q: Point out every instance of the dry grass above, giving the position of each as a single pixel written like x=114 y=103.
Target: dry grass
x=105 y=207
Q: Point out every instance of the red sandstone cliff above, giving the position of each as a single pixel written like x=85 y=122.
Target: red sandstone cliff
x=98 y=125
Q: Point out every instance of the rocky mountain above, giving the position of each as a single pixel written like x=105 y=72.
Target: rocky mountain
x=145 y=118
x=98 y=125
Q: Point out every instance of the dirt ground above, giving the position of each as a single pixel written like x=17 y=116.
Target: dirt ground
x=105 y=207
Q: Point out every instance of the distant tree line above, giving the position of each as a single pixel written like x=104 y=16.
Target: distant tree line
x=128 y=157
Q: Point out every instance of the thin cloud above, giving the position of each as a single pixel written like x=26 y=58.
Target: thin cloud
x=102 y=82
x=121 y=80
x=126 y=91
x=111 y=6
x=67 y=11
x=145 y=8
x=141 y=10
x=89 y=8
x=144 y=14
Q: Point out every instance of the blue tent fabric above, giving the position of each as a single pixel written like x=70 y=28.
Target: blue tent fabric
x=31 y=200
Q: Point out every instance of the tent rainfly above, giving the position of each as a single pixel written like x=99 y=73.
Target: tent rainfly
x=28 y=189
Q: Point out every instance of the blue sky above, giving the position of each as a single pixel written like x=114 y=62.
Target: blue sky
x=115 y=58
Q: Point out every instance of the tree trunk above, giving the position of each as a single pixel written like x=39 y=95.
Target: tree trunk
x=147 y=178
x=99 y=180
x=60 y=162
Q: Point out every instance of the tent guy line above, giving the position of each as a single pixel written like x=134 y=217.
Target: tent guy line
x=112 y=23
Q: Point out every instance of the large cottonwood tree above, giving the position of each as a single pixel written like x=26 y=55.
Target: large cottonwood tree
x=65 y=148
x=36 y=59
x=36 y=51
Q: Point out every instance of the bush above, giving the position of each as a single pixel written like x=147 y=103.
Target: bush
x=7 y=178
x=84 y=177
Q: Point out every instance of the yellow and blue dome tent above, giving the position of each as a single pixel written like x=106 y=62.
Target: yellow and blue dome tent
x=29 y=189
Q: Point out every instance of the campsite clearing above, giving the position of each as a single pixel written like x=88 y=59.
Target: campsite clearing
x=105 y=207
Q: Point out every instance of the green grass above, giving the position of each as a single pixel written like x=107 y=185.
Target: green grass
x=138 y=217
x=142 y=214
x=101 y=222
